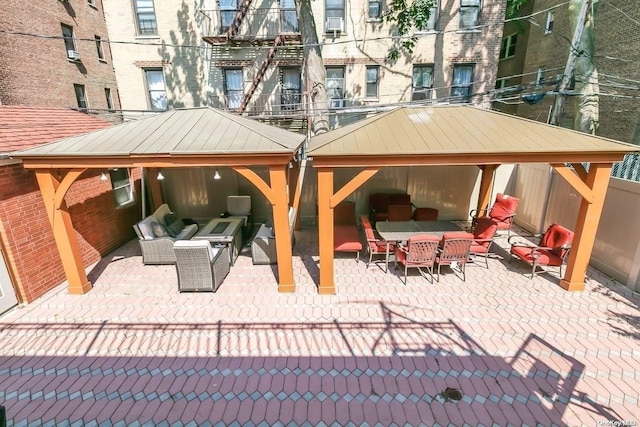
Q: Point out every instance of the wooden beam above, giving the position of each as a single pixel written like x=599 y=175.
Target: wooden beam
x=574 y=180
x=580 y=170
x=255 y=179
x=278 y=178
x=63 y=232
x=155 y=188
x=486 y=180
x=325 y=231
x=586 y=227
x=352 y=185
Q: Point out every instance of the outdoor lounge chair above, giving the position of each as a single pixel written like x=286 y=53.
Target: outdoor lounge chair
x=420 y=251
x=454 y=251
x=502 y=212
x=199 y=266
x=552 y=250
x=483 y=235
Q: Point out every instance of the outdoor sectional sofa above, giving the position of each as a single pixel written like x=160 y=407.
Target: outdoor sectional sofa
x=156 y=244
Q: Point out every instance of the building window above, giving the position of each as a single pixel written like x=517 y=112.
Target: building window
x=228 y=10
x=469 y=13
x=375 y=9
x=107 y=95
x=551 y=16
x=508 y=48
x=233 y=87
x=334 y=13
x=335 y=87
x=288 y=16
x=146 y=17
x=462 y=78
x=430 y=25
x=373 y=72
x=157 y=91
x=69 y=40
x=291 y=92
x=99 y=48
x=422 y=82
x=122 y=187
x=81 y=97
x=92 y=3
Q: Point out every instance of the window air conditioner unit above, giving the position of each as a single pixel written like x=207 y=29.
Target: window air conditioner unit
x=336 y=103
x=73 y=55
x=335 y=24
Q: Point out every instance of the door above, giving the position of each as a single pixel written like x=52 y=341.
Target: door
x=7 y=295
x=291 y=89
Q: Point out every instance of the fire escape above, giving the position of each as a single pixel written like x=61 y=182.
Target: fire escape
x=281 y=32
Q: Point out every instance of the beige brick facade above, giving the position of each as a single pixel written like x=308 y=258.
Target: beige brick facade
x=194 y=76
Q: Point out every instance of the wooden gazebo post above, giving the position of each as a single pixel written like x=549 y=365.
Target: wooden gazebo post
x=53 y=188
x=486 y=180
x=327 y=200
x=592 y=186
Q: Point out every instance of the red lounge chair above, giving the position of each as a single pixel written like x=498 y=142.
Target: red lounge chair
x=502 y=212
x=552 y=250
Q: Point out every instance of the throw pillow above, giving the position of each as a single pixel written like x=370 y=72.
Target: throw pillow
x=169 y=218
x=175 y=227
x=160 y=230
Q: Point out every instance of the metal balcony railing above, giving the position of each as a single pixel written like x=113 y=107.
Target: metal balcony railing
x=257 y=24
x=281 y=103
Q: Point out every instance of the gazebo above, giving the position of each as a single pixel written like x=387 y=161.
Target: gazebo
x=464 y=135
x=201 y=137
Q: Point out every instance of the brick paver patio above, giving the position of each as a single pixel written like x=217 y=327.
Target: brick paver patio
x=498 y=349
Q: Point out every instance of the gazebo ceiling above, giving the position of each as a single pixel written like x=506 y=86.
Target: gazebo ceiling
x=457 y=135
x=165 y=138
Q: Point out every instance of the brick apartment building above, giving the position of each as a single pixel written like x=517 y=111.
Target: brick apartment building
x=169 y=65
x=53 y=54
x=540 y=53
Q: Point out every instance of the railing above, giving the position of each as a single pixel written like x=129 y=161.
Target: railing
x=629 y=168
x=281 y=103
x=258 y=23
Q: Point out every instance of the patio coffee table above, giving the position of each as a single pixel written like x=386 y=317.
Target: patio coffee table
x=223 y=232
x=401 y=231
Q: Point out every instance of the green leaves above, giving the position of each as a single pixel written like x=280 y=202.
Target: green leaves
x=408 y=18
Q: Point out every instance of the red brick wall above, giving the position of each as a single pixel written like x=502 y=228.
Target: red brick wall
x=32 y=252
x=35 y=71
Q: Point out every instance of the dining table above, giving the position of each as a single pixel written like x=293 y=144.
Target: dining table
x=401 y=231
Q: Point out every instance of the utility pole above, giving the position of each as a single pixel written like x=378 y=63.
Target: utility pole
x=561 y=96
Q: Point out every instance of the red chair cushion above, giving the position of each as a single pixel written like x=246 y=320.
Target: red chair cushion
x=503 y=207
x=478 y=248
x=544 y=257
x=485 y=229
x=346 y=239
x=555 y=237
x=457 y=235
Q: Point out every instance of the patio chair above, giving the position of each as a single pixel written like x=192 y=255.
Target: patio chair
x=552 y=250
x=425 y=214
x=454 y=251
x=420 y=251
x=503 y=212
x=375 y=245
x=199 y=266
x=240 y=207
x=399 y=213
x=483 y=235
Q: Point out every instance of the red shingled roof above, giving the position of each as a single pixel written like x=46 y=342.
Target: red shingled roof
x=26 y=127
